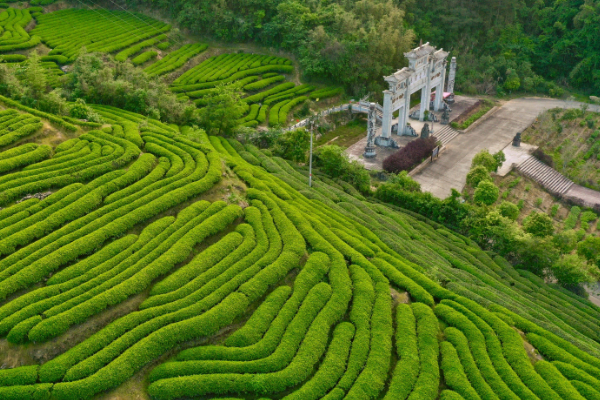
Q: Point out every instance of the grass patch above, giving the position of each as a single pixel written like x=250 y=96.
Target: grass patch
x=345 y=135
x=484 y=108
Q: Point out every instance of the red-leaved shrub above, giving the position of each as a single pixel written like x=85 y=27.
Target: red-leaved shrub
x=410 y=155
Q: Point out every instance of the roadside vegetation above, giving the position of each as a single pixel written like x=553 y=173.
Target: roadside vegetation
x=569 y=141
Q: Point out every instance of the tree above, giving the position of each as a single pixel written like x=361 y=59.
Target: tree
x=331 y=159
x=535 y=254
x=34 y=77
x=293 y=145
x=222 y=111
x=508 y=210
x=485 y=159
x=486 y=193
x=513 y=82
x=590 y=249
x=565 y=241
x=539 y=224
x=98 y=79
x=500 y=157
x=404 y=182
x=334 y=161
x=478 y=174
x=572 y=270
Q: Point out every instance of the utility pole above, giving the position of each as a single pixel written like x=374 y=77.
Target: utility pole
x=312 y=123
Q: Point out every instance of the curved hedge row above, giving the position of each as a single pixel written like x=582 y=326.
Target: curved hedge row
x=261 y=319
x=128 y=52
x=263 y=83
x=175 y=59
x=144 y=57
x=20 y=160
x=407 y=368
x=14 y=37
x=454 y=375
x=96 y=30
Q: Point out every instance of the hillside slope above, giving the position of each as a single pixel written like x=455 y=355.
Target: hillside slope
x=334 y=330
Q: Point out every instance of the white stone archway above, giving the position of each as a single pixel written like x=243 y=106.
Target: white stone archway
x=426 y=71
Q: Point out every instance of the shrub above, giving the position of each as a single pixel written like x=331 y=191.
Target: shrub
x=586 y=218
x=334 y=161
x=565 y=241
x=572 y=218
x=486 y=160
x=164 y=45
x=590 y=249
x=478 y=174
x=486 y=193
x=509 y=210
x=404 y=182
x=538 y=224
x=459 y=341
x=410 y=155
x=325 y=93
x=10 y=58
x=360 y=316
x=128 y=52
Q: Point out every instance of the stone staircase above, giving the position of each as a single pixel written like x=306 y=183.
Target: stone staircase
x=546 y=176
x=445 y=134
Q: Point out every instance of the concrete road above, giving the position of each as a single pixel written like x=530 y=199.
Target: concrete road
x=493 y=133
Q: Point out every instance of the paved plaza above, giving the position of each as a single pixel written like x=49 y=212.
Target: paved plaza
x=494 y=133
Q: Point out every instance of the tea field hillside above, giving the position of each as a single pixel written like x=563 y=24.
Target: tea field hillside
x=310 y=279
x=144 y=258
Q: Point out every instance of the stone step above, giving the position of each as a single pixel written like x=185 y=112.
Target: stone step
x=445 y=134
x=545 y=175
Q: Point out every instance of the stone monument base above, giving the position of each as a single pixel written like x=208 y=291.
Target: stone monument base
x=370 y=152
x=386 y=142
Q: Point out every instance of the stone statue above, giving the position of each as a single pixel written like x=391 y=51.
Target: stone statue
x=446 y=116
x=517 y=140
x=425 y=131
x=370 y=148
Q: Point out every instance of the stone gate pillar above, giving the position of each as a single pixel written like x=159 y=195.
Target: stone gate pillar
x=426 y=93
x=405 y=112
x=386 y=122
x=452 y=75
x=439 y=90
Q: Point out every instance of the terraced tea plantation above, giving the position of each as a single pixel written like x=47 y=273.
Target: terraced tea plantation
x=259 y=77
x=96 y=30
x=14 y=37
x=269 y=94
x=282 y=291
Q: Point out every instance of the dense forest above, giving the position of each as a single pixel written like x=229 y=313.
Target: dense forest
x=503 y=45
